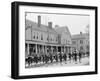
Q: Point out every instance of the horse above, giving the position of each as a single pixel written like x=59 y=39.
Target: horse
x=29 y=60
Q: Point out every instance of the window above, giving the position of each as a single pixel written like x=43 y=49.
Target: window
x=87 y=47
x=51 y=39
x=66 y=41
x=34 y=35
x=37 y=35
x=41 y=37
x=63 y=41
x=87 y=41
x=56 y=39
x=48 y=38
x=81 y=41
x=29 y=26
x=81 y=47
x=73 y=42
x=26 y=46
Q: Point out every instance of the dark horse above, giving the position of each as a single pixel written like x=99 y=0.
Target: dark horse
x=29 y=60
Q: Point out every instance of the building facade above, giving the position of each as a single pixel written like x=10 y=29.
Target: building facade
x=81 y=42
x=64 y=38
x=42 y=39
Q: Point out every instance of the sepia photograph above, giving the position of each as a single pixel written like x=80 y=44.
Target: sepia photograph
x=56 y=40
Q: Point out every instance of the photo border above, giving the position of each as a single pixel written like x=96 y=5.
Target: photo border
x=15 y=39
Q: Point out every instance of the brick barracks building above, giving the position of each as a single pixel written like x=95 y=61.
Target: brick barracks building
x=42 y=39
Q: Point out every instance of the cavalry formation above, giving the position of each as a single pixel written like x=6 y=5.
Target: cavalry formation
x=50 y=58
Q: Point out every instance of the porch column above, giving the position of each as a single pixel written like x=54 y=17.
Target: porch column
x=36 y=48
x=46 y=49
x=39 y=49
x=28 y=49
x=61 y=49
x=51 y=49
x=64 y=49
x=43 y=48
x=68 y=49
x=57 y=49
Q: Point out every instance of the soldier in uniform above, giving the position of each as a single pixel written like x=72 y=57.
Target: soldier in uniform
x=43 y=58
x=46 y=58
x=60 y=57
x=29 y=60
x=56 y=58
x=39 y=58
x=80 y=56
x=51 y=58
x=36 y=59
x=70 y=57
x=75 y=56
x=65 y=57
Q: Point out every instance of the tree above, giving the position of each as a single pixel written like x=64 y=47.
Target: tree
x=87 y=29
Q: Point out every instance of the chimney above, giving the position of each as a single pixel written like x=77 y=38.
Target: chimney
x=56 y=26
x=50 y=24
x=39 y=21
x=80 y=33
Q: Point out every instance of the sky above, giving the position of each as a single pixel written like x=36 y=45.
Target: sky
x=75 y=23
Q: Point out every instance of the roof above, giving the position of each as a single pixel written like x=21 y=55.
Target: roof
x=80 y=36
x=41 y=28
x=62 y=29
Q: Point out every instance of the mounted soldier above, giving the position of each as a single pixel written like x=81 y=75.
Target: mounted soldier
x=70 y=56
x=60 y=57
x=51 y=57
x=80 y=56
x=29 y=60
x=36 y=59
x=75 y=56
x=56 y=57
x=65 y=57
